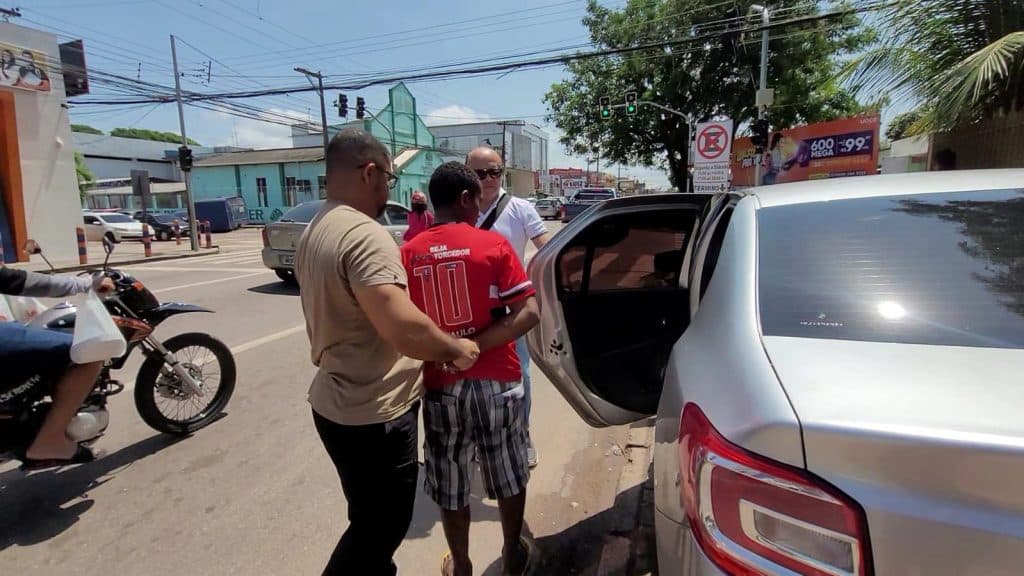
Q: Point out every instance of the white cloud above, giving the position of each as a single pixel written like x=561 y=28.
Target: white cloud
x=454 y=114
x=250 y=133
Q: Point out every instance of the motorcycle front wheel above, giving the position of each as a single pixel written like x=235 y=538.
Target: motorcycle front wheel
x=163 y=401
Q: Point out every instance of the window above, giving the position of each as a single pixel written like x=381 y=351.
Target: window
x=288 y=194
x=321 y=182
x=92 y=220
x=116 y=219
x=941 y=269
x=261 y=192
x=714 y=249
x=398 y=216
x=627 y=252
x=303 y=212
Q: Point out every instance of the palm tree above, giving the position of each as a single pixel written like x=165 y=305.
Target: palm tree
x=85 y=177
x=960 y=60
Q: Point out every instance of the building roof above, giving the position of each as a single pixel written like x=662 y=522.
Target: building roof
x=404 y=157
x=116 y=147
x=275 y=156
x=154 y=188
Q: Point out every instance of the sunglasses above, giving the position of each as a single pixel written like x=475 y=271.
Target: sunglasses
x=492 y=172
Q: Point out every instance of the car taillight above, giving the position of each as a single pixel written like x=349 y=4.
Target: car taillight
x=754 y=516
x=266 y=238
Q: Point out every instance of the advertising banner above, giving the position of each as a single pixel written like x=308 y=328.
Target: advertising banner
x=23 y=68
x=847 y=147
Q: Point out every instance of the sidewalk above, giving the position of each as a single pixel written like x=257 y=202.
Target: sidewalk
x=127 y=252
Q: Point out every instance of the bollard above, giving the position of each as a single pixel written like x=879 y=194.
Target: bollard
x=177 y=232
x=147 y=244
x=83 y=253
x=209 y=241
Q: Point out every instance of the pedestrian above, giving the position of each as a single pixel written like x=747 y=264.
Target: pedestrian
x=420 y=218
x=466 y=279
x=366 y=337
x=518 y=221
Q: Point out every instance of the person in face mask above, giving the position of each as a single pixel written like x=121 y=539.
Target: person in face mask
x=421 y=218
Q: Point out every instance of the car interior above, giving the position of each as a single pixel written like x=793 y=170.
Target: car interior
x=618 y=279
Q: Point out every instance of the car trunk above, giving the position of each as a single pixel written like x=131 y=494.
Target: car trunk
x=285 y=235
x=928 y=439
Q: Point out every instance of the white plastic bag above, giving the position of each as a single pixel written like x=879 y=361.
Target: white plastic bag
x=96 y=337
x=22 y=308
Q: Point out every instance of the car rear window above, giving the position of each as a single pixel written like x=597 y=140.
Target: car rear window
x=944 y=269
x=303 y=212
x=591 y=195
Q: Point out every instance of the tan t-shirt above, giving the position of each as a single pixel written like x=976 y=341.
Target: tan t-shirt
x=362 y=378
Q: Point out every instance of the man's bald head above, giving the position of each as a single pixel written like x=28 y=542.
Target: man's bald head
x=484 y=155
x=352 y=148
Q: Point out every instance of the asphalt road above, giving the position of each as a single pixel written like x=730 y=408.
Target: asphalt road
x=254 y=493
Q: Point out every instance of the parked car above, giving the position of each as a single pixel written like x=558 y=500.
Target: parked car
x=549 y=208
x=163 y=225
x=584 y=199
x=112 y=225
x=224 y=214
x=280 y=238
x=834 y=365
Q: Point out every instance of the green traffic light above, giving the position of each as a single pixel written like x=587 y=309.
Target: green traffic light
x=605 y=113
x=631 y=109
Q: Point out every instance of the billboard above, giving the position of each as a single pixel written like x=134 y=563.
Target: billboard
x=847 y=147
x=23 y=68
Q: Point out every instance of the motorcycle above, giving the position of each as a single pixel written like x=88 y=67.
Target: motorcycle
x=183 y=385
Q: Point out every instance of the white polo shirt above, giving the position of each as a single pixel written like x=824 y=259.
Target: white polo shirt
x=519 y=223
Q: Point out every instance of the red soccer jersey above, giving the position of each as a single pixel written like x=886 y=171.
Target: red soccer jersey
x=460 y=276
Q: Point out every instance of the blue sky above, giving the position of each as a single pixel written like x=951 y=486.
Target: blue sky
x=255 y=44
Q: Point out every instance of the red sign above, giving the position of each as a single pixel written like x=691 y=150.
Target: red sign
x=712 y=142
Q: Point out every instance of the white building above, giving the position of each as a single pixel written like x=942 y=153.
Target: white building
x=38 y=186
x=523 y=146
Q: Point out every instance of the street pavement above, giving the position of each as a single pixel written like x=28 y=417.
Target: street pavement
x=254 y=493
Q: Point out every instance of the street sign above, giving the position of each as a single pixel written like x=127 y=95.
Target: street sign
x=712 y=150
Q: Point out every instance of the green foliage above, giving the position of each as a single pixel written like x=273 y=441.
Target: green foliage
x=961 y=60
x=86 y=129
x=712 y=77
x=900 y=124
x=85 y=177
x=155 y=135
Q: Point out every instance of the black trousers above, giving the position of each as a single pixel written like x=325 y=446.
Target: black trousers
x=378 y=467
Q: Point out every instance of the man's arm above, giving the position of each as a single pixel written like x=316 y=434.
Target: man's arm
x=410 y=331
x=525 y=315
x=26 y=283
x=541 y=240
x=536 y=231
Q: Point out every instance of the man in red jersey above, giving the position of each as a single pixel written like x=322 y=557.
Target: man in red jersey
x=471 y=283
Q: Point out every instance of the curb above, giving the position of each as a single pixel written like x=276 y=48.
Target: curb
x=151 y=259
x=620 y=551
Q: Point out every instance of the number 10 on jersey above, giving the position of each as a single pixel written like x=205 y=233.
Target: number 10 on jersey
x=446 y=284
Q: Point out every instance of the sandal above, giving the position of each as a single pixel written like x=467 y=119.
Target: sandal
x=81 y=456
x=447 y=564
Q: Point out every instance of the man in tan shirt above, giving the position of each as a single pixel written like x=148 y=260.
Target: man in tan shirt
x=368 y=341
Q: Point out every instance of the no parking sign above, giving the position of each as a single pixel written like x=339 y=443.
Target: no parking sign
x=712 y=151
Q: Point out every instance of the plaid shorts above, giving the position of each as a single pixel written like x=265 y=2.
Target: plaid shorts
x=482 y=413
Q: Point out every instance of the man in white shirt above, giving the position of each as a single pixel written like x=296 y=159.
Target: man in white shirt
x=518 y=222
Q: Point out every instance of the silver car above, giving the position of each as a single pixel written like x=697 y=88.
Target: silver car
x=836 y=368
x=281 y=237
x=549 y=208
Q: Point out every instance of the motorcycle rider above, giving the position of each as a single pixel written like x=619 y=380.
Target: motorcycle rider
x=27 y=352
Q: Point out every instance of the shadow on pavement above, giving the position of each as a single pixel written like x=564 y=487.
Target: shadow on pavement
x=577 y=549
x=34 y=507
x=276 y=289
x=426 y=517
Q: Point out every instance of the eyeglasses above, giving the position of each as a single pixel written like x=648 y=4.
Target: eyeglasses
x=392 y=178
x=492 y=172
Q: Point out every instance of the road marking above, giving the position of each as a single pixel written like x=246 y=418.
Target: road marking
x=208 y=282
x=170 y=269
x=268 y=339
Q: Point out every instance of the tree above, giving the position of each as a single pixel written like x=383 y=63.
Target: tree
x=86 y=129
x=155 y=135
x=712 y=76
x=901 y=123
x=961 y=60
x=84 y=174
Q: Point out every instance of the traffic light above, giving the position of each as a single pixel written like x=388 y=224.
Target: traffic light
x=606 y=107
x=759 y=134
x=630 y=102
x=343 y=105
x=360 y=107
x=185 y=158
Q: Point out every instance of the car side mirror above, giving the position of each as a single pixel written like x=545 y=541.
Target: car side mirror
x=32 y=247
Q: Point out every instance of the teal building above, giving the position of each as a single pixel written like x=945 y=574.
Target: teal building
x=272 y=181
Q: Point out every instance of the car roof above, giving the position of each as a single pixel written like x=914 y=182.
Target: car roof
x=886 y=185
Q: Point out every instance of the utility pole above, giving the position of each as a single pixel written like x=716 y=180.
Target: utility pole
x=193 y=236
x=763 y=99
x=323 y=107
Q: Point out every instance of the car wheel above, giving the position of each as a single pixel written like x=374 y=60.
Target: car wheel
x=287 y=276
